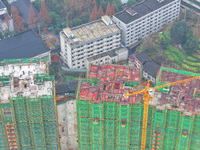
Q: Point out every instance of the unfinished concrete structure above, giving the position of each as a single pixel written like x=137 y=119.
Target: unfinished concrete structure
x=28 y=117
x=108 y=120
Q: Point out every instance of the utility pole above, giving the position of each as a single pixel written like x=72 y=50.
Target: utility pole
x=39 y=27
x=185 y=16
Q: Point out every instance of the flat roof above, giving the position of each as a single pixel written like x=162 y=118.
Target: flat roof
x=2 y=5
x=66 y=87
x=142 y=9
x=90 y=31
x=24 y=79
x=26 y=44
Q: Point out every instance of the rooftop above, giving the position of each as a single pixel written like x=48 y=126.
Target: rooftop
x=151 y=67
x=1 y=5
x=140 y=10
x=24 y=77
x=67 y=87
x=90 y=31
x=183 y=97
x=109 y=82
x=111 y=53
x=26 y=44
x=142 y=57
x=23 y=7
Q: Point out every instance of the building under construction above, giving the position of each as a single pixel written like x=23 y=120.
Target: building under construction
x=28 y=119
x=108 y=120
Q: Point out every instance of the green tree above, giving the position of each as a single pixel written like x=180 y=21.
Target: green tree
x=164 y=42
x=86 y=18
x=179 y=31
x=76 y=22
x=118 y=5
x=57 y=30
x=64 y=25
x=8 y=33
x=55 y=18
x=1 y=35
x=37 y=4
x=191 y=45
x=131 y=2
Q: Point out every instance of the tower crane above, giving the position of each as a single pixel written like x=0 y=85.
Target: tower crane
x=146 y=98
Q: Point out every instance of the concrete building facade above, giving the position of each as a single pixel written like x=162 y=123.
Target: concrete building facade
x=108 y=57
x=88 y=40
x=145 y=18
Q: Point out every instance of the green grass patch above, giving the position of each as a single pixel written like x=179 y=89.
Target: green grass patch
x=161 y=36
x=171 y=57
x=68 y=78
x=167 y=35
x=191 y=63
x=178 y=57
x=196 y=56
x=192 y=58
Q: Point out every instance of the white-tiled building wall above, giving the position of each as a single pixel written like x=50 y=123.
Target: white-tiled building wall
x=149 y=23
x=75 y=55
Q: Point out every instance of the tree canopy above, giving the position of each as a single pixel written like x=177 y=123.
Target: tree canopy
x=181 y=33
x=178 y=32
x=31 y=18
x=44 y=14
x=18 y=22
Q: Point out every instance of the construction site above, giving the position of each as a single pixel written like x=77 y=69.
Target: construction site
x=116 y=111
x=28 y=115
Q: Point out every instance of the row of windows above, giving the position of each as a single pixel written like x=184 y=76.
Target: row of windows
x=136 y=37
x=157 y=23
x=155 y=20
x=97 y=41
x=168 y=9
x=93 y=46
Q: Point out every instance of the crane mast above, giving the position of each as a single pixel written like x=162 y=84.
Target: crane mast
x=146 y=98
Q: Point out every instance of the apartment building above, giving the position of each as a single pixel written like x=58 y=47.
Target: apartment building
x=88 y=40
x=145 y=18
x=192 y=4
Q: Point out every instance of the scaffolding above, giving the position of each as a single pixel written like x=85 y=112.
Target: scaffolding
x=106 y=120
x=28 y=117
x=35 y=121
x=22 y=60
x=3 y=136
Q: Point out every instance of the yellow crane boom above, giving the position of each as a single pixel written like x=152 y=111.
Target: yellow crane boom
x=146 y=98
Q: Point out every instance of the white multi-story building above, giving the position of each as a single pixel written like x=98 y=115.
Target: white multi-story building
x=88 y=40
x=145 y=18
